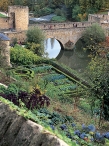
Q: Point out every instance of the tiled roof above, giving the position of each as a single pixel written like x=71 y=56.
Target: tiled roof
x=3 y=37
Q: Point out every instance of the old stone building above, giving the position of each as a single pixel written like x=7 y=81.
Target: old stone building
x=18 y=19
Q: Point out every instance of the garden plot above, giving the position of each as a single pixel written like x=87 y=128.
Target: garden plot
x=52 y=80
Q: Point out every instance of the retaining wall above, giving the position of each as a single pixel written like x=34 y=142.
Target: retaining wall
x=15 y=130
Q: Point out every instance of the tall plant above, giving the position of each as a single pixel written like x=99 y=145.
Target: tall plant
x=93 y=35
x=35 y=41
x=98 y=93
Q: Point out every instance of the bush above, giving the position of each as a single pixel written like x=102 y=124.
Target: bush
x=60 y=12
x=12 y=89
x=58 y=19
x=22 y=56
x=24 y=73
x=93 y=35
x=35 y=41
x=2 y=89
x=31 y=100
x=42 y=12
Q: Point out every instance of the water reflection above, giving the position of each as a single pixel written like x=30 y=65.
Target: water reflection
x=76 y=59
x=52 y=47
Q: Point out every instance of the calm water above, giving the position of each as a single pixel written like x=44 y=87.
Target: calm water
x=76 y=59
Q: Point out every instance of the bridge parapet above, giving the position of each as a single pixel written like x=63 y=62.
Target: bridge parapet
x=61 y=25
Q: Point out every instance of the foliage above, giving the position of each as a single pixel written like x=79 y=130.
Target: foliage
x=31 y=100
x=52 y=78
x=85 y=135
x=20 y=55
x=93 y=35
x=4 y=5
x=42 y=69
x=75 y=11
x=46 y=7
x=98 y=74
x=2 y=89
x=35 y=41
x=42 y=12
x=60 y=12
x=12 y=89
x=58 y=19
x=23 y=72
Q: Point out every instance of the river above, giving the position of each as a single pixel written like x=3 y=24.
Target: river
x=76 y=59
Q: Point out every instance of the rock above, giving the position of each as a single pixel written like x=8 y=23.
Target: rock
x=12 y=131
x=26 y=133
x=15 y=130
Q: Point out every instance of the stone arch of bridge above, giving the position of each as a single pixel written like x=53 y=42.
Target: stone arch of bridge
x=77 y=39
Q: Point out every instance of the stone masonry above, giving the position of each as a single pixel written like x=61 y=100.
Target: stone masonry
x=15 y=130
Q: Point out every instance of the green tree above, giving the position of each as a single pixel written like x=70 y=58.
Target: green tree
x=35 y=41
x=75 y=11
x=93 y=35
x=98 y=93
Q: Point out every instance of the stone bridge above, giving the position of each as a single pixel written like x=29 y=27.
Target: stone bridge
x=67 y=34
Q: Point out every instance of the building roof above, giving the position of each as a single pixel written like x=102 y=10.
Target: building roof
x=3 y=37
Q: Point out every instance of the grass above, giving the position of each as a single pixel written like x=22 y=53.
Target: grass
x=2 y=16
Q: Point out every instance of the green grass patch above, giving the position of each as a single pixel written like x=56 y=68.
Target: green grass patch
x=58 y=19
x=3 y=16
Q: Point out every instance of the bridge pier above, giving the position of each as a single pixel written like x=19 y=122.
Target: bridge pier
x=69 y=45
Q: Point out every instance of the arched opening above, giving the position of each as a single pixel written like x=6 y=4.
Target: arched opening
x=53 y=47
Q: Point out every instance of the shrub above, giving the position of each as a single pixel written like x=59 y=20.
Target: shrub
x=93 y=35
x=58 y=19
x=42 y=12
x=60 y=12
x=24 y=73
x=12 y=89
x=20 y=55
x=35 y=41
x=32 y=101
x=2 y=89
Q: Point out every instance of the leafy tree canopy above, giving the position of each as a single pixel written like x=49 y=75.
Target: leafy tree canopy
x=93 y=35
x=35 y=41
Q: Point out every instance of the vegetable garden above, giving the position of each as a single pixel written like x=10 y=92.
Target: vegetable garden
x=56 y=86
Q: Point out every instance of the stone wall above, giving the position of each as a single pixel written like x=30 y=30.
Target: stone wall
x=20 y=35
x=19 y=17
x=5 y=52
x=4 y=23
x=99 y=18
x=17 y=131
